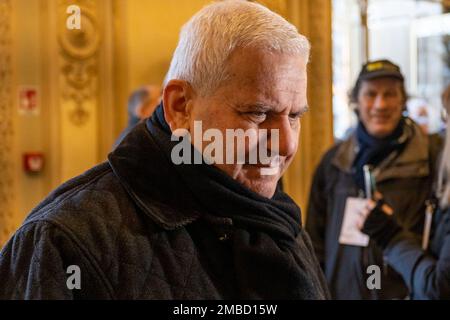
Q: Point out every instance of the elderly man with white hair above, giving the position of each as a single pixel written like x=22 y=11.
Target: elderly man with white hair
x=187 y=206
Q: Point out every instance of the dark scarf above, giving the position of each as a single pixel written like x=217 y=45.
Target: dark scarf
x=271 y=258
x=373 y=150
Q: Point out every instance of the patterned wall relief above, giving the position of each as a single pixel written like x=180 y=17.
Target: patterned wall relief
x=6 y=124
x=79 y=52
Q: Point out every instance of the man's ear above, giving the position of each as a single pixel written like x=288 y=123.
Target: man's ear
x=177 y=107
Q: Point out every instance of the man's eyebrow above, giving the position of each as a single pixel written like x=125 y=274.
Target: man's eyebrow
x=302 y=111
x=256 y=106
x=305 y=109
x=264 y=107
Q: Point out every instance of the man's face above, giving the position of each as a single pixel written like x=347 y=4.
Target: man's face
x=265 y=91
x=380 y=105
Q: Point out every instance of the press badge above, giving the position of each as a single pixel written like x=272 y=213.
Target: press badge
x=353 y=219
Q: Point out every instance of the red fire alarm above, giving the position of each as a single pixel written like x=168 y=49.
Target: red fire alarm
x=33 y=162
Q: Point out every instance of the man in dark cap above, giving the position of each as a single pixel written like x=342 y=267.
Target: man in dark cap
x=402 y=159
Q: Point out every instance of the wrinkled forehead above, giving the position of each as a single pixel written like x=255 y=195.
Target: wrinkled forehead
x=249 y=63
x=268 y=72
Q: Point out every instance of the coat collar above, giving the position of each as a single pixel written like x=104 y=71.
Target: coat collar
x=413 y=161
x=137 y=164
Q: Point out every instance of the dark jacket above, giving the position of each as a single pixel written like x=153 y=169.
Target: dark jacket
x=427 y=274
x=121 y=227
x=405 y=180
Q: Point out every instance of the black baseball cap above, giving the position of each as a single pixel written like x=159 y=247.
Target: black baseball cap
x=380 y=69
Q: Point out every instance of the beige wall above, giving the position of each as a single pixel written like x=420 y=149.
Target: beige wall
x=30 y=130
x=153 y=28
x=147 y=35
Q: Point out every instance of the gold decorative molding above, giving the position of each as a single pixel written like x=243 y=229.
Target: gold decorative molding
x=7 y=225
x=79 y=53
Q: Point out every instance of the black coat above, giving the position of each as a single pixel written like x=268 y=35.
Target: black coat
x=404 y=179
x=128 y=238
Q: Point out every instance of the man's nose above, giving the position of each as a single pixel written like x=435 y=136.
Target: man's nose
x=286 y=142
x=380 y=102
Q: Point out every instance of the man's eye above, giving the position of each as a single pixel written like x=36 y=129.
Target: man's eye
x=257 y=114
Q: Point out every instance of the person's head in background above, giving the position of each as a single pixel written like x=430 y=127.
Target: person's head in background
x=418 y=111
x=142 y=102
x=444 y=172
x=380 y=97
x=239 y=65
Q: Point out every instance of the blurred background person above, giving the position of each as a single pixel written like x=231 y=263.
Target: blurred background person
x=444 y=114
x=425 y=269
x=141 y=104
x=418 y=111
x=402 y=156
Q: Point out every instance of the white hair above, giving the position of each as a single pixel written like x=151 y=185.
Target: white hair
x=209 y=38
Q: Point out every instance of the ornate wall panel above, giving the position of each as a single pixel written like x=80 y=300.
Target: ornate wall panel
x=7 y=225
x=85 y=86
x=79 y=53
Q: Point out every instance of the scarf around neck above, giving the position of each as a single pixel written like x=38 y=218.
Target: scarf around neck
x=272 y=255
x=374 y=150
x=279 y=216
